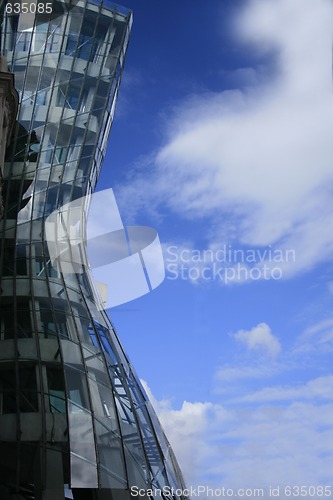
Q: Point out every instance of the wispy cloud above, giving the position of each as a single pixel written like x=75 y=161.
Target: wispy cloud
x=317 y=337
x=228 y=374
x=318 y=328
x=259 y=158
x=320 y=388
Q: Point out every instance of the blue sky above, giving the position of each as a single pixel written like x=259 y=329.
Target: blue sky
x=222 y=140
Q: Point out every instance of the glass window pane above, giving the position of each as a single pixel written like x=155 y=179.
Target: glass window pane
x=111 y=455
x=83 y=474
x=28 y=398
x=24 y=329
x=8 y=390
x=81 y=435
x=22 y=320
x=56 y=387
x=48 y=323
x=96 y=366
x=77 y=389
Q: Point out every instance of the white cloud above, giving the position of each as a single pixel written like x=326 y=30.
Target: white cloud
x=261 y=157
x=187 y=431
x=259 y=338
x=254 y=446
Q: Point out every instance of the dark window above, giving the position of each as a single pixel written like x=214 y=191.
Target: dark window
x=21 y=260
x=24 y=329
x=61 y=322
x=12 y=253
x=8 y=258
x=7 y=321
x=56 y=385
x=22 y=320
x=28 y=389
x=48 y=323
x=8 y=391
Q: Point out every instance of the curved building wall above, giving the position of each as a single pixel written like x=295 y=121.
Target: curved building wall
x=74 y=420
x=8 y=110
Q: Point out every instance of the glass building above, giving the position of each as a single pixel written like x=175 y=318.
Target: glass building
x=8 y=111
x=74 y=420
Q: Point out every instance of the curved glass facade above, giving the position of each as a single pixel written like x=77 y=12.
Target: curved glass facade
x=74 y=420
